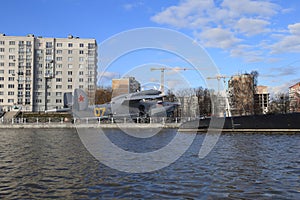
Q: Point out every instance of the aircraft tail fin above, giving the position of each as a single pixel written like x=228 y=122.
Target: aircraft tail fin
x=80 y=100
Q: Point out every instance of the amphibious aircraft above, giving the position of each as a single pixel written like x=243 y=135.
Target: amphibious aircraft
x=139 y=106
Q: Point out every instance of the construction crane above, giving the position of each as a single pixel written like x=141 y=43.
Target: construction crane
x=162 y=75
x=219 y=77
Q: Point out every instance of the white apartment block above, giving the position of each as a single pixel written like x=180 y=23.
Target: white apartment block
x=35 y=72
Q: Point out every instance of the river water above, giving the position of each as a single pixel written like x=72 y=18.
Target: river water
x=47 y=163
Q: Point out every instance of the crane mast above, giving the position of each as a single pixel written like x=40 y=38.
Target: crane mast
x=219 y=77
x=162 y=74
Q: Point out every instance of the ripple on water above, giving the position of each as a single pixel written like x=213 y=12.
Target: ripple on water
x=54 y=164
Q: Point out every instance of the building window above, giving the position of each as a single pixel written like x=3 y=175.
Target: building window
x=69 y=79
x=59 y=66
x=70 y=45
x=59 y=58
x=1 y=57
x=10 y=100
x=70 y=59
x=59 y=44
x=70 y=51
x=48 y=51
x=11 y=50
x=81 y=59
x=12 y=43
x=58 y=100
x=2 y=42
x=81 y=80
x=1 y=93
x=2 y=64
x=10 y=93
x=58 y=86
x=2 y=49
x=59 y=52
x=58 y=72
x=80 y=72
x=11 y=71
x=58 y=79
x=69 y=86
x=1 y=100
x=11 y=57
x=1 y=85
x=1 y=71
x=81 y=86
x=70 y=73
x=11 y=78
x=81 y=52
x=81 y=45
x=58 y=94
x=48 y=58
x=70 y=66
x=91 y=45
x=48 y=44
x=1 y=78
x=11 y=64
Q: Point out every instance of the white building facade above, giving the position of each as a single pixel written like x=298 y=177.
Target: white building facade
x=35 y=72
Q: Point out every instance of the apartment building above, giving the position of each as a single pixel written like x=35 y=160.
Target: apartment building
x=262 y=100
x=35 y=72
x=125 y=85
x=294 y=97
x=241 y=89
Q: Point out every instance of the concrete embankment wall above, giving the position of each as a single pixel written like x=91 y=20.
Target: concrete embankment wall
x=145 y=126
x=70 y=125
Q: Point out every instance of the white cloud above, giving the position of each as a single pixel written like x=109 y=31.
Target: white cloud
x=224 y=24
x=250 y=26
x=218 y=37
x=294 y=28
x=290 y=42
x=107 y=75
x=128 y=6
x=187 y=14
x=131 y=6
x=250 y=7
x=283 y=88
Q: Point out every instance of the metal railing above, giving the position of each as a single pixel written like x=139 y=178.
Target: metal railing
x=95 y=120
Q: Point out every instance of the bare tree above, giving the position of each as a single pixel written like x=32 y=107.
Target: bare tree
x=279 y=103
x=103 y=95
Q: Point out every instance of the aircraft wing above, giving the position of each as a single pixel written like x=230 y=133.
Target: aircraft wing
x=139 y=98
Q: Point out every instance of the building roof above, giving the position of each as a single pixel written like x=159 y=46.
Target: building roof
x=295 y=85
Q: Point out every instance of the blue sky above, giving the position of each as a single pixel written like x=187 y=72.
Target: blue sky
x=239 y=36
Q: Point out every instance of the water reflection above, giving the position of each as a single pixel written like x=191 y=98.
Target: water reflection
x=54 y=164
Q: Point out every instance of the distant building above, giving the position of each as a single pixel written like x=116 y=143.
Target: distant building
x=125 y=86
x=294 y=97
x=35 y=72
x=262 y=99
x=241 y=94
